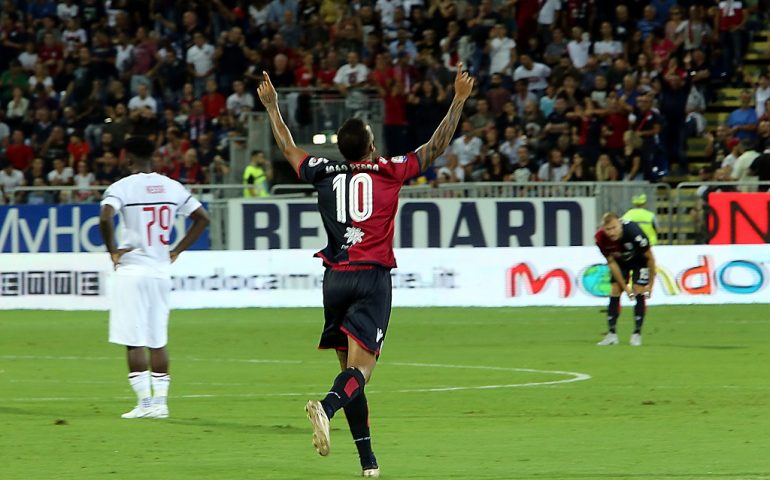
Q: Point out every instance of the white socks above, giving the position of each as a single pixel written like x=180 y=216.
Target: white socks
x=140 y=383
x=150 y=388
x=160 y=383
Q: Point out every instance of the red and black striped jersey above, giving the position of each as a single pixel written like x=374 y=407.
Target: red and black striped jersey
x=630 y=248
x=358 y=202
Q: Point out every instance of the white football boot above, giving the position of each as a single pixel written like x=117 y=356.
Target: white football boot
x=636 y=340
x=610 y=339
x=144 y=412
x=161 y=411
x=320 y=423
x=371 y=472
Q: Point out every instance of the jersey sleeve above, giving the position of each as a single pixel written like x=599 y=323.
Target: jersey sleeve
x=639 y=238
x=113 y=197
x=311 y=168
x=601 y=243
x=186 y=202
x=406 y=166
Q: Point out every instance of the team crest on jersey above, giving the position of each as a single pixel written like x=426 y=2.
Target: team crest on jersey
x=628 y=246
x=354 y=235
x=399 y=159
x=155 y=189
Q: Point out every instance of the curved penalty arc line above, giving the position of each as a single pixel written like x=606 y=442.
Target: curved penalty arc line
x=573 y=377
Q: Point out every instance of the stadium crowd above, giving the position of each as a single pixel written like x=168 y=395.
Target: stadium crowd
x=568 y=90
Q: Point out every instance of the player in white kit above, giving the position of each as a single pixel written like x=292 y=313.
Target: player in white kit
x=148 y=204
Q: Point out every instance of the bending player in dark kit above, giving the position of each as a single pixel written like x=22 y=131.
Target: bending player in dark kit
x=629 y=257
x=357 y=200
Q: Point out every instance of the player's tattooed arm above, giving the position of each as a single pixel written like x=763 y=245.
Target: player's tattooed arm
x=269 y=97
x=446 y=129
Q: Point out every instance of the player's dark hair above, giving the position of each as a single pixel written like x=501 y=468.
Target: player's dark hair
x=139 y=150
x=608 y=217
x=353 y=139
x=139 y=146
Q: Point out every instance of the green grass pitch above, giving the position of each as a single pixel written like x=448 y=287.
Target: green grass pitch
x=692 y=403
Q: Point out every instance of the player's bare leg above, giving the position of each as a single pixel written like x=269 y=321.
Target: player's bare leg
x=613 y=311
x=161 y=380
x=357 y=414
x=347 y=386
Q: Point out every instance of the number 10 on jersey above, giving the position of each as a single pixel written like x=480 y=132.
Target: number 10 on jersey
x=355 y=197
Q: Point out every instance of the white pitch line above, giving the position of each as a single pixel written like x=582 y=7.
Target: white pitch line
x=574 y=377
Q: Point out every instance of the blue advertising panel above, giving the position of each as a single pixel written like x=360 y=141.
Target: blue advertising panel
x=64 y=228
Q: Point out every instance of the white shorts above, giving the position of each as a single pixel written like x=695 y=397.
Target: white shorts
x=139 y=309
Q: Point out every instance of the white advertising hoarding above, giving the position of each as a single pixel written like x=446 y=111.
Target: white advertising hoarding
x=493 y=277
x=423 y=223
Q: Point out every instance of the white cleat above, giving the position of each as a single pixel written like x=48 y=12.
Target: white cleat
x=320 y=423
x=636 y=340
x=161 y=411
x=610 y=339
x=146 y=412
x=371 y=473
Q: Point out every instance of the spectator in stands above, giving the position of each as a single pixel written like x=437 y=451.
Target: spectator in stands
x=200 y=62
x=579 y=47
x=428 y=101
x=524 y=170
x=761 y=167
x=142 y=105
x=763 y=136
x=18 y=153
x=649 y=23
x=84 y=180
x=534 y=73
x=452 y=172
x=482 y=119
x=108 y=170
x=578 y=170
x=607 y=49
x=466 y=148
x=741 y=170
x=10 y=180
x=605 y=170
x=241 y=101
x=555 y=50
x=732 y=21
x=554 y=170
x=743 y=121
x=648 y=126
x=693 y=33
x=501 y=50
x=188 y=171
x=170 y=76
x=495 y=168
x=61 y=176
x=349 y=80
x=18 y=107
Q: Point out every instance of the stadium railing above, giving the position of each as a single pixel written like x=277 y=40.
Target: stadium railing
x=610 y=196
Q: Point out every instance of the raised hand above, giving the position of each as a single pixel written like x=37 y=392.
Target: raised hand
x=266 y=91
x=463 y=83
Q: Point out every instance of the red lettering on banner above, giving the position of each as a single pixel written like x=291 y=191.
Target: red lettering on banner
x=704 y=271
x=739 y=218
x=537 y=283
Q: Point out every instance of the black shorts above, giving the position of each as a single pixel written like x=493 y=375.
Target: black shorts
x=639 y=274
x=357 y=305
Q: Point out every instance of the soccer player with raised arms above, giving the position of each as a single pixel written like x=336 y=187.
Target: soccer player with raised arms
x=629 y=257
x=139 y=305
x=357 y=200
